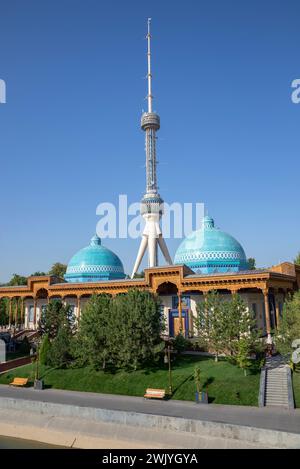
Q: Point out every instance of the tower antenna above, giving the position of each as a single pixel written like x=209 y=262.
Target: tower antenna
x=149 y=76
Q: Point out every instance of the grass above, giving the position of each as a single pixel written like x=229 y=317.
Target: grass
x=296 y=387
x=225 y=382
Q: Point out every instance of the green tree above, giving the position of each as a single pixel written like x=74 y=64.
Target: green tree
x=239 y=325
x=297 y=259
x=17 y=280
x=209 y=323
x=91 y=345
x=44 y=350
x=251 y=263
x=25 y=346
x=58 y=270
x=289 y=324
x=59 y=354
x=180 y=343
x=38 y=274
x=55 y=315
x=221 y=325
x=243 y=351
x=135 y=327
x=4 y=311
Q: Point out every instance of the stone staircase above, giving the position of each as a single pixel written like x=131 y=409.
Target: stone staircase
x=277 y=392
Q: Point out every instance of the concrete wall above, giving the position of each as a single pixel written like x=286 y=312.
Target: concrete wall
x=94 y=427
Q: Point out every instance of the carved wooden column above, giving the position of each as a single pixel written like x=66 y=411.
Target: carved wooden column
x=180 y=312
x=78 y=307
x=267 y=314
x=22 y=311
x=191 y=320
x=234 y=291
x=277 y=312
x=205 y=293
x=34 y=314
x=16 y=311
x=10 y=313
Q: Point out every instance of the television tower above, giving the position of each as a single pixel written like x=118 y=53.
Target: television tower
x=151 y=203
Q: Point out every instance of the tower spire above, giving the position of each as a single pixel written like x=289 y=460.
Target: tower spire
x=149 y=76
x=152 y=203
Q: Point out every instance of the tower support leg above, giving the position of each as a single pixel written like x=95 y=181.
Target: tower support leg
x=142 y=249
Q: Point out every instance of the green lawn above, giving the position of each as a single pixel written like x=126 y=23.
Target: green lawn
x=296 y=386
x=226 y=382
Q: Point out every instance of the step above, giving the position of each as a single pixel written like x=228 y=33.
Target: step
x=279 y=403
x=276 y=400
x=277 y=393
x=276 y=383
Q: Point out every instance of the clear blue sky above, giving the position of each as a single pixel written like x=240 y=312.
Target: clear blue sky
x=70 y=135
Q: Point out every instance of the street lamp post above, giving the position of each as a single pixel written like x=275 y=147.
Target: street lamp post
x=167 y=360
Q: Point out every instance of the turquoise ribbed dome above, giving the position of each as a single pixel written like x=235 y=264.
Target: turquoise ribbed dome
x=211 y=250
x=94 y=263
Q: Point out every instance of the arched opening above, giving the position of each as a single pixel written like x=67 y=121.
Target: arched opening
x=42 y=293
x=167 y=288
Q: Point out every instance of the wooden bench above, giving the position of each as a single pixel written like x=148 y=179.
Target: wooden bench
x=155 y=393
x=19 y=382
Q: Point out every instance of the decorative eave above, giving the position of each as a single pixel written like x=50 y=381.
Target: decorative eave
x=286 y=276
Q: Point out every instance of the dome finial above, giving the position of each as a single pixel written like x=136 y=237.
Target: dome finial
x=208 y=222
x=95 y=240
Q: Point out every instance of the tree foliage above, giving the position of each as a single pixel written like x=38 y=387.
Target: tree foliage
x=289 y=324
x=25 y=346
x=123 y=331
x=17 y=280
x=242 y=357
x=209 y=323
x=59 y=354
x=91 y=344
x=251 y=263
x=58 y=270
x=223 y=324
x=55 y=315
x=297 y=259
x=135 y=328
x=4 y=311
x=58 y=325
x=44 y=350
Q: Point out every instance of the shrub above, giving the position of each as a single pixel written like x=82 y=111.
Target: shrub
x=25 y=346
x=59 y=352
x=44 y=350
x=180 y=343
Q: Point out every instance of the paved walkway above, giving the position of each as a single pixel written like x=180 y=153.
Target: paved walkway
x=269 y=418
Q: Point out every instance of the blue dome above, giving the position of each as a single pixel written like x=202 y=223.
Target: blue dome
x=211 y=250
x=94 y=263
